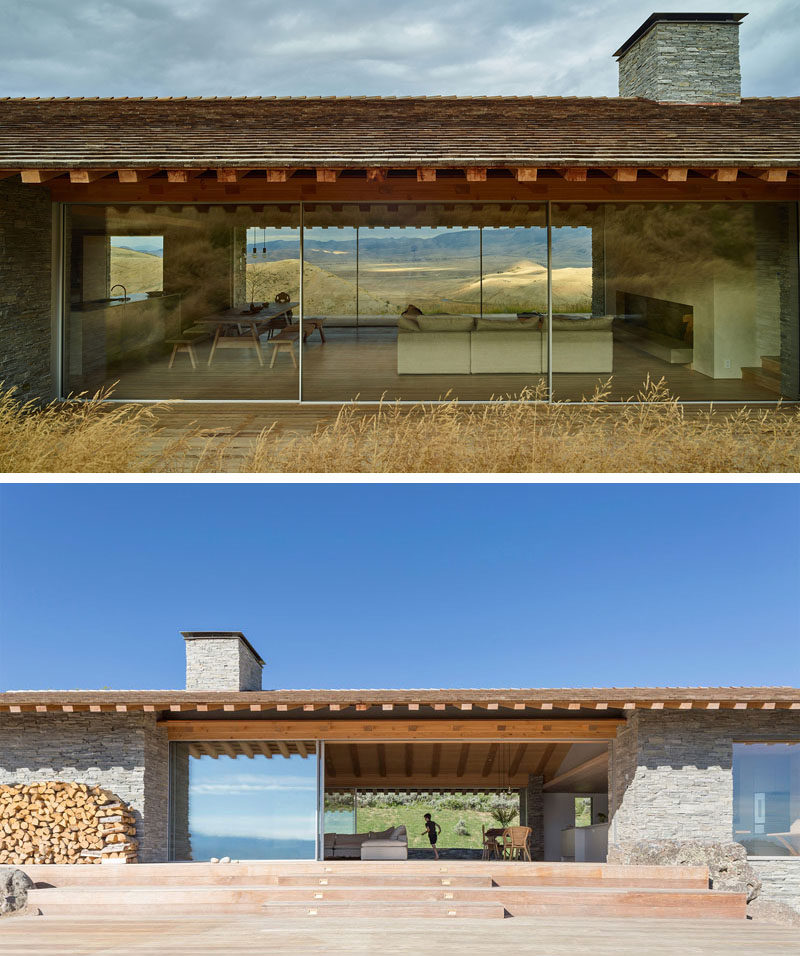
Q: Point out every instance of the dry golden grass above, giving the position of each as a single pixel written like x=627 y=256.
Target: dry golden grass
x=80 y=436
x=652 y=432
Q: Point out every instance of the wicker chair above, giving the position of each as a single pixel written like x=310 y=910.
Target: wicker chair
x=491 y=848
x=515 y=843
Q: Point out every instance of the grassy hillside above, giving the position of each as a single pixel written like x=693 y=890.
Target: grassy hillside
x=411 y=816
x=137 y=271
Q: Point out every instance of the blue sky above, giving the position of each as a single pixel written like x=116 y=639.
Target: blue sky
x=342 y=585
x=355 y=47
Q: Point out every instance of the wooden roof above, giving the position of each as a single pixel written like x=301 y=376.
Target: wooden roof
x=359 y=132
x=430 y=702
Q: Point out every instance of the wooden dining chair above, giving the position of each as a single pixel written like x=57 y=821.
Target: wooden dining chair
x=491 y=848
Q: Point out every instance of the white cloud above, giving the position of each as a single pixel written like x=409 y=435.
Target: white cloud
x=352 y=47
x=255 y=826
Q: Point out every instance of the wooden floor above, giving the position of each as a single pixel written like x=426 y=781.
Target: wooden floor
x=363 y=364
x=257 y=936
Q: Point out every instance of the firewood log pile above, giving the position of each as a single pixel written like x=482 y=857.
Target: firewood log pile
x=56 y=822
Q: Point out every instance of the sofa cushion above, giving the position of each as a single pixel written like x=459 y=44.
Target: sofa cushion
x=446 y=323
x=407 y=323
x=399 y=833
x=507 y=325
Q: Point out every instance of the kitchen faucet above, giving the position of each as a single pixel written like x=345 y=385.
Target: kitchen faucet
x=119 y=285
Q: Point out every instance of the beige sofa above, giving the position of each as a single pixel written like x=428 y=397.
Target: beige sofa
x=460 y=344
x=391 y=844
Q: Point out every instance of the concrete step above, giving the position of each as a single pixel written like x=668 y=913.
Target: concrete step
x=384 y=910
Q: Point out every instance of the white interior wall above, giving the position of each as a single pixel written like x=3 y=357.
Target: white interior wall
x=559 y=812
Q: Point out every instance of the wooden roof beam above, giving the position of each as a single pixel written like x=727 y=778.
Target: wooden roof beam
x=354 y=761
x=247 y=749
x=86 y=176
x=517 y=760
x=182 y=176
x=555 y=760
x=436 y=759
x=726 y=174
x=302 y=749
x=228 y=749
x=382 y=759
x=526 y=174
x=623 y=174
x=426 y=174
x=575 y=174
x=135 y=175
x=7 y=173
x=377 y=174
x=283 y=748
x=35 y=177
x=278 y=175
x=490 y=758
x=327 y=175
x=475 y=174
x=409 y=760
x=774 y=175
x=230 y=175
x=672 y=174
x=462 y=760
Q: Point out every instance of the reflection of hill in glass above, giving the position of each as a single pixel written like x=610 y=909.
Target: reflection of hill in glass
x=204 y=846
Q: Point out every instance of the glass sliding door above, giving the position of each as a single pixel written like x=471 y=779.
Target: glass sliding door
x=429 y=321
x=701 y=295
x=248 y=800
x=179 y=301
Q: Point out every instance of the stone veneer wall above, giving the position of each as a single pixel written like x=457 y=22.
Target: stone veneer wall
x=531 y=814
x=684 y=63
x=777 y=314
x=221 y=664
x=781 y=878
x=124 y=753
x=25 y=289
x=671 y=778
x=179 y=837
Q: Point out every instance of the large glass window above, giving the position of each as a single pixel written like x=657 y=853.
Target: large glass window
x=424 y=301
x=440 y=300
x=766 y=798
x=191 y=302
x=248 y=800
x=702 y=295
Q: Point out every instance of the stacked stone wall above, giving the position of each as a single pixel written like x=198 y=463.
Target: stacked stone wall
x=684 y=63
x=531 y=807
x=25 y=290
x=221 y=664
x=671 y=778
x=124 y=753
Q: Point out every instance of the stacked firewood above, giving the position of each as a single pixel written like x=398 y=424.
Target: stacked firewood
x=55 y=822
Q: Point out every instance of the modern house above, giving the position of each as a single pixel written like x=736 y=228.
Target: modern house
x=268 y=249
x=226 y=766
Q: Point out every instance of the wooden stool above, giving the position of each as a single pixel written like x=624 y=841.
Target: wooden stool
x=283 y=342
x=182 y=345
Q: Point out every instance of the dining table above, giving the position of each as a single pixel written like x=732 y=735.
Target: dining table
x=223 y=322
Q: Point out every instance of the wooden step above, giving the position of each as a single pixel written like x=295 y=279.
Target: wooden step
x=383 y=910
x=772 y=364
x=756 y=375
x=266 y=873
x=384 y=879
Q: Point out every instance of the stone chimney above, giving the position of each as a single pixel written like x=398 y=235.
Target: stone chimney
x=221 y=660
x=683 y=58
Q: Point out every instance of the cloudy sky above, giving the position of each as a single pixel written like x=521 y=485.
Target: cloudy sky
x=351 y=47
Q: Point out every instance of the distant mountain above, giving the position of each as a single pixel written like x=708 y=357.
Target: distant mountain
x=571 y=247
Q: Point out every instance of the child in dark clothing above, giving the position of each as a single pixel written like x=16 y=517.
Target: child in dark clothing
x=433 y=830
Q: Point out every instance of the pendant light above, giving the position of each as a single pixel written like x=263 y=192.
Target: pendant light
x=255 y=251
x=264 y=240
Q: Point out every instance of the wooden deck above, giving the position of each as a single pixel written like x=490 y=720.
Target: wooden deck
x=362 y=364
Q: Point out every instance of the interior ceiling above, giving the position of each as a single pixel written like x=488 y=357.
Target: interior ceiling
x=465 y=765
